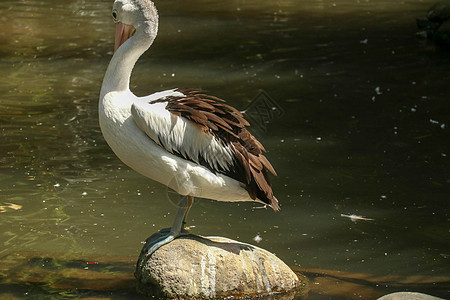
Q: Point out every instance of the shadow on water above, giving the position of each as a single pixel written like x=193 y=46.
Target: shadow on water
x=364 y=132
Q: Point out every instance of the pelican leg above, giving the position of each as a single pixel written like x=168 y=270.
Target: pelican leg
x=184 y=206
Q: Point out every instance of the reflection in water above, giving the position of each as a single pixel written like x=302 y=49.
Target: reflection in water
x=364 y=130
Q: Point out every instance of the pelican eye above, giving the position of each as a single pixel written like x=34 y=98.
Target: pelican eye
x=114 y=15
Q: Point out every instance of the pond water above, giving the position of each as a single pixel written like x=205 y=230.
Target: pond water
x=363 y=130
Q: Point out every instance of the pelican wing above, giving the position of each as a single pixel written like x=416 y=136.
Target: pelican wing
x=205 y=130
x=182 y=137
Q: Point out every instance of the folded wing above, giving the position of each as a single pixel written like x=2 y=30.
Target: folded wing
x=203 y=129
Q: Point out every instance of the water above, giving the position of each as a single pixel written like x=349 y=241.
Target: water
x=364 y=131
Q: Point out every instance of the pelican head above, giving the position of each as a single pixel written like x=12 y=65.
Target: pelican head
x=133 y=16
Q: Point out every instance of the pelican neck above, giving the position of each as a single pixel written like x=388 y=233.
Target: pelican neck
x=118 y=73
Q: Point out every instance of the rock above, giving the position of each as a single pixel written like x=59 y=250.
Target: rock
x=440 y=12
x=195 y=266
x=427 y=28
x=437 y=15
x=408 y=296
x=442 y=35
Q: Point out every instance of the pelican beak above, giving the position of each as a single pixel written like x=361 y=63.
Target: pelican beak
x=123 y=33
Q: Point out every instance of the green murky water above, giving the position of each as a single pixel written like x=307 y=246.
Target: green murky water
x=364 y=131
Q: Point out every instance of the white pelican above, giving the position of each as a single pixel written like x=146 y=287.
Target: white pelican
x=189 y=141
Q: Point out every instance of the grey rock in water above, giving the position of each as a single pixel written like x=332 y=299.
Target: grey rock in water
x=427 y=28
x=408 y=296
x=437 y=16
x=442 y=35
x=439 y=12
x=206 y=267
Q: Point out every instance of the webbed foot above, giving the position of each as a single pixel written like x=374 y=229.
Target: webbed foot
x=152 y=246
x=166 y=235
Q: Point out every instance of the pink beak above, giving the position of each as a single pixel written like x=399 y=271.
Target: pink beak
x=123 y=33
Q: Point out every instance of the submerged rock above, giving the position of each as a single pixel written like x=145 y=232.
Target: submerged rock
x=436 y=25
x=440 y=12
x=427 y=28
x=195 y=266
x=442 y=35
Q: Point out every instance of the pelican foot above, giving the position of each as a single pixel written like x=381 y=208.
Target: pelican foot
x=166 y=237
x=152 y=246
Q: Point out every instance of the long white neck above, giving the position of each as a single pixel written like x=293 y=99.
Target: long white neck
x=117 y=76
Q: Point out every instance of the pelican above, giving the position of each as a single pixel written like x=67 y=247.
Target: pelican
x=193 y=143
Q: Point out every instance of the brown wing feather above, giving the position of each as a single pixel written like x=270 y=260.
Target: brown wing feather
x=228 y=125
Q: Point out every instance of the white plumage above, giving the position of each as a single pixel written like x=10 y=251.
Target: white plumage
x=134 y=139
